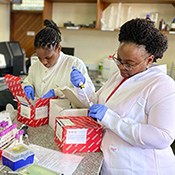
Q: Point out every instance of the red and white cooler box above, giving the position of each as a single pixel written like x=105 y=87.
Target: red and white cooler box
x=33 y=113
x=76 y=134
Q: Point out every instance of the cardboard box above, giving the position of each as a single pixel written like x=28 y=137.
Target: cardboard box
x=33 y=113
x=75 y=134
x=61 y=108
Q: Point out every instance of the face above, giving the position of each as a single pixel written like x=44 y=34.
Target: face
x=133 y=58
x=48 y=57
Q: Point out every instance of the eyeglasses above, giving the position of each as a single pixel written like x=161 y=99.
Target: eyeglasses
x=126 y=65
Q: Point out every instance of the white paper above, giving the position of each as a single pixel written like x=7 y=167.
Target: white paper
x=59 y=131
x=25 y=110
x=41 y=112
x=55 y=160
x=76 y=136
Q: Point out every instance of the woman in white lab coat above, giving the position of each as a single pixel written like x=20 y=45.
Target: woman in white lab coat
x=136 y=106
x=52 y=71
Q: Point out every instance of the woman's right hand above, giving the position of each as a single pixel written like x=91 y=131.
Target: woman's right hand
x=29 y=92
x=76 y=77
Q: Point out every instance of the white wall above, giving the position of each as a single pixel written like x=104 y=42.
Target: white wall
x=92 y=46
x=4 y=21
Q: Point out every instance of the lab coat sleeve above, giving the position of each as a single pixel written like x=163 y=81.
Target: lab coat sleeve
x=28 y=81
x=157 y=133
x=59 y=93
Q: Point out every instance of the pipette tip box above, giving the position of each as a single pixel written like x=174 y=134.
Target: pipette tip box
x=17 y=156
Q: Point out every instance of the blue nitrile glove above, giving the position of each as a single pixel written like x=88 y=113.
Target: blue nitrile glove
x=29 y=92
x=76 y=77
x=49 y=94
x=97 y=111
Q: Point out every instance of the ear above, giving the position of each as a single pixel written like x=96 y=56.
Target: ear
x=150 y=59
x=58 y=50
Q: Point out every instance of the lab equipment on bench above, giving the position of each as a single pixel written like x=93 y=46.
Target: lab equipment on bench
x=25 y=134
x=17 y=156
x=37 y=169
x=7 y=135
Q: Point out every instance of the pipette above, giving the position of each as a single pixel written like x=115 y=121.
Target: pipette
x=81 y=85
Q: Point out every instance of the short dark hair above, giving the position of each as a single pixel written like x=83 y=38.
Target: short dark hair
x=144 y=32
x=48 y=37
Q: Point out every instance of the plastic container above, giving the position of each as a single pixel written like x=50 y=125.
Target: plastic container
x=109 y=67
x=162 y=25
x=173 y=25
x=17 y=156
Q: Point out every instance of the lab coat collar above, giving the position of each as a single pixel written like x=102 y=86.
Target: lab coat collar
x=52 y=70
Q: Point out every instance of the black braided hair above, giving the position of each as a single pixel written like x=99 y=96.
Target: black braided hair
x=143 y=32
x=48 y=37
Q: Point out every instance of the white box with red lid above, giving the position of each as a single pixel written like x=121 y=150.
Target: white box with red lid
x=33 y=113
x=75 y=134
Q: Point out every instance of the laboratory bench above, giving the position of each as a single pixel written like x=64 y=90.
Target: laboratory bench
x=44 y=136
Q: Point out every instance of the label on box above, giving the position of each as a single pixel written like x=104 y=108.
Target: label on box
x=25 y=110
x=76 y=136
x=59 y=130
x=66 y=122
x=41 y=112
x=60 y=123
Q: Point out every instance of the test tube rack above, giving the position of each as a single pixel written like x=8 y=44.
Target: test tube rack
x=7 y=135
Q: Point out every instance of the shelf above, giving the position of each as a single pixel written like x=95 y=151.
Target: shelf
x=138 y=1
x=74 y=1
x=115 y=1
x=101 y=6
x=116 y=30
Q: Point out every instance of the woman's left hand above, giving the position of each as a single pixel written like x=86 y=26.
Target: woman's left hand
x=49 y=94
x=97 y=111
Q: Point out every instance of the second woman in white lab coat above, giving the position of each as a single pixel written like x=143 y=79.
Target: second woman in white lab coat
x=52 y=70
x=136 y=106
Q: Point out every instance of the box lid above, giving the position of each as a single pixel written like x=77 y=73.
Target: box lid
x=14 y=84
x=78 y=121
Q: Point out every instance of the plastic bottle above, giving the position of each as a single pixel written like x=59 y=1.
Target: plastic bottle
x=167 y=27
x=173 y=25
x=100 y=69
x=162 y=25
x=108 y=67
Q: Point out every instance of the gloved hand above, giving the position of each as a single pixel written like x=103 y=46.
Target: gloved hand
x=29 y=92
x=97 y=111
x=49 y=94
x=76 y=77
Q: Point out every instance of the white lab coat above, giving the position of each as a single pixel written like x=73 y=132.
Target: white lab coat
x=42 y=79
x=139 y=125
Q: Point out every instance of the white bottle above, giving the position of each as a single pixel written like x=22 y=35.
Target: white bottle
x=109 y=67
